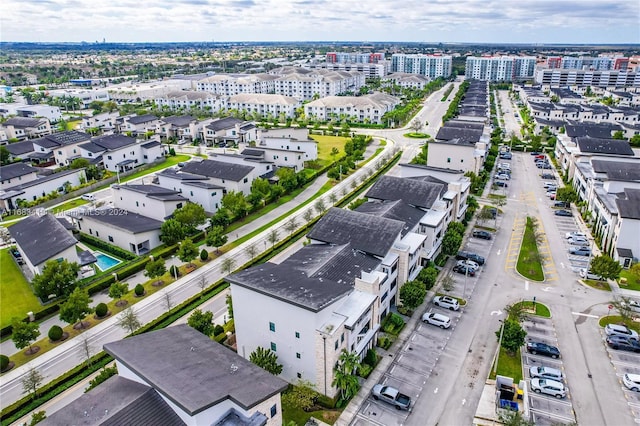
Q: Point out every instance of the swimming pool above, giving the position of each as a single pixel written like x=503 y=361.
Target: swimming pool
x=105 y=261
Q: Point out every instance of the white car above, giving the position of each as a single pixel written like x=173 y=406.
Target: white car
x=439 y=320
x=578 y=241
x=88 y=197
x=588 y=275
x=502 y=176
x=634 y=305
x=548 y=387
x=546 y=373
x=469 y=263
x=632 y=381
x=575 y=234
x=447 y=302
x=620 y=330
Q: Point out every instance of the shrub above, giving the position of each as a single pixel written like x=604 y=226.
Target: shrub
x=139 y=290
x=4 y=362
x=55 y=333
x=204 y=255
x=218 y=329
x=364 y=370
x=105 y=373
x=175 y=272
x=371 y=358
x=101 y=310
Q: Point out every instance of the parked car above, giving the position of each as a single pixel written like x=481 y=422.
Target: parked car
x=502 y=176
x=565 y=213
x=463 y=255
x=620 y=330
x=575 y=234
x=469 y=263
x=580 y=251
x=548 y=176
x=634 y=305
x=548 y=387
x=88 y=197
x=447 y=302
x=485 y=235
x=550 y=185
x=465 y=270
x=547 y=166
x=539 y=156
x=624 y=343
x=501 y=183
x=436 y=319
x=632 y=381
x=540 y=348
x=535 y=153
x=578 y=241
x=546 y=373
x=588 y=275
x=392 y=396
x=562 y=204
x=506 y=156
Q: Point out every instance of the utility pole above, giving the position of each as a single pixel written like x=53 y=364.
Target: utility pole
x=495 y=366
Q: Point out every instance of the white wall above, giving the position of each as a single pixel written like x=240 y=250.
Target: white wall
x=137 y=202
x=121 y=238
x=310 y=148
x=452 y=156
x=70 y=254
x=44 y=188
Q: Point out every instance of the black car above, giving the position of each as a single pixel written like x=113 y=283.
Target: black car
x=561 y=204
x=548 y=176
x=467 y=255
x=465 y=270
x=624 y=343
x=547 y=166
x=565 y=213
x=539 y=348
x=485 y=235
x=501 y=183
x=534 y=153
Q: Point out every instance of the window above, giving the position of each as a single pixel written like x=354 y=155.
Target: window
x=342 y=338
x=336 y=345
x=108 y=157
x=97 y=235
x=191 y=192
x=110 y=239
x=245 y=180
x=272 y=327
x=274 y=410
x=448 y=159
x=297 y=335
x=137 y=205
x=462 y=160
x=298 y=355
x=179 y=205
x=299 y=375
x=273 y=346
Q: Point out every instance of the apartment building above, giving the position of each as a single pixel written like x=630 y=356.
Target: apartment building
x=432 y=66
x=613 y=79
x=500 y=68
x=191 y=99
x=599 y=63
x=363 y=109
x=370 y=70
x=353 y=57
x=406 y=80
x=266 y=105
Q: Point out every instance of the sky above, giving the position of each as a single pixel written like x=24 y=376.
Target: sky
x=430 y=21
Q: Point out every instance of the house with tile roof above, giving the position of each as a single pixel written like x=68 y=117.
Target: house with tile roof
x=191 y=381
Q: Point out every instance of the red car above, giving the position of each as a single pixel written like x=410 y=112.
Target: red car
x=540 y=157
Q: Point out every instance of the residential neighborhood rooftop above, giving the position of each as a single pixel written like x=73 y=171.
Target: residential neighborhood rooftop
x=218 y=169
x=123 y=219
x=41 y=237
x=419 y=193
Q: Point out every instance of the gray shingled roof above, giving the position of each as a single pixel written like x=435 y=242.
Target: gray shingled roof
x=139 y=119
x=23 y=122
x=178 y=120
x=193 y=371
x=464 y=124
x=371 y=234
x=618 y=170
x=397 y=210
x=415 y=192
x=112 y=142
x=629 y=207
x=223 y=123
x=123 y=219
x=68 y=138
x=20 y=148
x=154 y=191
x=576 y=129
x=291 y=285
x=218 y=169
x=604 y=146
x=41 y=237
x=116 y=402
x=469 y=135
x=151 y=144
x=14 y=170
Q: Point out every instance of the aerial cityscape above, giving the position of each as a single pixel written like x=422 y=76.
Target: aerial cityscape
x=225 y=212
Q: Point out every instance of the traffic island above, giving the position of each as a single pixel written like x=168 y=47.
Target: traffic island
x=530 y=260
x=535 y=308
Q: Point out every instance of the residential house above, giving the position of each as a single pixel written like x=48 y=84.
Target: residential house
x=104 y=122
x=209 y=385
x=138 y=124
x=65 y=146
x=52 y=113
x=22 y=128
x=362 y=109
x=406 y=80
x=21 y=151
x=196 y=188
x=40 y=238
x=152 y=201
x=228 y=131
x=119 y=153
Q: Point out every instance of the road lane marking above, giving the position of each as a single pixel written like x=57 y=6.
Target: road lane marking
x=585 y=315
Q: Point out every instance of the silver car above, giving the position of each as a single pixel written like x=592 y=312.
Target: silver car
x=546 y=373
x=439 y=320
x=620 y=330
x=549 y=387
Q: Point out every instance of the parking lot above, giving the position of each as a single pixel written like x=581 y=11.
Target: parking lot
x=625 y=362
x=545 y=409
x=411 y=369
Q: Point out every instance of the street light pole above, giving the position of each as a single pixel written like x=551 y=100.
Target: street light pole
x=495 y=366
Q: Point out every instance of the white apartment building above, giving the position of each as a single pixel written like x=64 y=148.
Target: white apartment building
x=570 y=77
x=52 y=113
x=432 y=66
x=191 y=99
x=86 y=96
x=363 y=109
x=266 y=105
x=370 y=70
x=136 y=91
x=406 y=80
x=353 y=57
x=599 y=63
x=500 y=68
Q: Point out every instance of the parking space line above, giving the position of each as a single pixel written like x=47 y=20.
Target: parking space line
x=544 y=413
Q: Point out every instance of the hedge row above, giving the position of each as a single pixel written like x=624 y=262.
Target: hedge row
x=109 y=248
x=44 y=313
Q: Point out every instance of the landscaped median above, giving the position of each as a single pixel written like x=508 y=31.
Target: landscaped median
x=530 y=260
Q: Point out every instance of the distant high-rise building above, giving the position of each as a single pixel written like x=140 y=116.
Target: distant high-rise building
x=350 y=57
x=500 y=68
x=432 y=66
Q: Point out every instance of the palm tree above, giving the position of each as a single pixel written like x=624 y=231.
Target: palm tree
x=345 y=378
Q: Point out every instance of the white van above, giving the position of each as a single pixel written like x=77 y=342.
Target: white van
x=88 y=197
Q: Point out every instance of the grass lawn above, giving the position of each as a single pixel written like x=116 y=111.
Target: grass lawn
x=541 y=310
x=300 y=417
x=598 y=285
x=496 y=196
x=327 y=143
x=529 y=259
x=633 y=283
x=16 y=297
x=509 y=366
x=617 y=319
x=72 y=204
x=170 y=161
x=417 y=135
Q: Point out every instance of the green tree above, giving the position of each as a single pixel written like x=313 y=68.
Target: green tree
x=58 y=279
x=79 y=163
x=37 y=417
x=129 y=320
x=412 y=294
x=606 y=267
x=31 y=382
x=216 y=237
x=618 y=134
x=117 y=290
x=236 y=203
x=291 y=225
x=287 y=178
x=513 y=336
x=4 y=155
x=516 y=311
x=191 y=215
x=201 y=321
x=635 y=271
x=451 y=242
x=344 y=374
x=484 y=215
x=228 y=264
x=76 y=307
x=301 y=395
x=635 y=140
x=260 y=191
x=428 y=276
x=24 y=333
x=457 y=227
x=220 y=218
x=272 y=237
x=187 y=251
x=266 y=359
x=172 y=231
x=567 y=193
x=155 y=268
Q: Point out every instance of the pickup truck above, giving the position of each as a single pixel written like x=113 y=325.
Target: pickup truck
x=392 y=396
